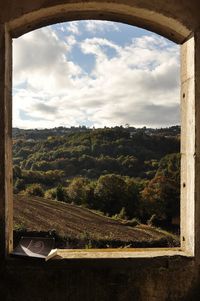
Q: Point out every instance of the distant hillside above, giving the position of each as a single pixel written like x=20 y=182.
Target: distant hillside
x=82 y=228
x=38 y=134
x=93 y=152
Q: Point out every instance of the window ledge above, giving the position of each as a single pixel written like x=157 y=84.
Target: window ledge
x=116 y=253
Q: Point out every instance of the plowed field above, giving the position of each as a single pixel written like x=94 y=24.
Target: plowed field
x=73 y=222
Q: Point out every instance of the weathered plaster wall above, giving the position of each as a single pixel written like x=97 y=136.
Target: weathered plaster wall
x=182 y=10
x=100 y=280
x=174 y=19
x=174 y=278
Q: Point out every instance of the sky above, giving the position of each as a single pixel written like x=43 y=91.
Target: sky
x=95 y=73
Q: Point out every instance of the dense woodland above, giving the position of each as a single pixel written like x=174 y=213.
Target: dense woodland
x=122 y=172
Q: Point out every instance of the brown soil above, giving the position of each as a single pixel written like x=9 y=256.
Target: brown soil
x=71 y=221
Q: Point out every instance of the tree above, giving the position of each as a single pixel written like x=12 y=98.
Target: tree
x=162 y=198
x=169 y=166
x=110 y=192
x=132 y=200
x=77 y=191
x=60 y=193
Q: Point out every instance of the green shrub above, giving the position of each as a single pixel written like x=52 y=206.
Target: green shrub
x=19 y=185
x=50 y=194
x=34 y=190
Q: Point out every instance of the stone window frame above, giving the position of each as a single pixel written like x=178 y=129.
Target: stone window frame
x=190 y=179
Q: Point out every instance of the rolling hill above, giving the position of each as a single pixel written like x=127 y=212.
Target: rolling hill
x=78 y=227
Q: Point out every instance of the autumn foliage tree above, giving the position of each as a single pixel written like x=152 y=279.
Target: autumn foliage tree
x=162 y=194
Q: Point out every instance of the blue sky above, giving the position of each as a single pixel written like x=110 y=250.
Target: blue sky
x=95 y=73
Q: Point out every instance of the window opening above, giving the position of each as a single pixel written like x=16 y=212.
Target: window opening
x=96 y=136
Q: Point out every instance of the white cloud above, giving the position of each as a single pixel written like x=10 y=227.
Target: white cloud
x=95 y=26
x=40 y=60
x=71 y=41
x=73 y=27
x=138 y=84
x=96 y=46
